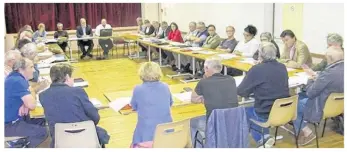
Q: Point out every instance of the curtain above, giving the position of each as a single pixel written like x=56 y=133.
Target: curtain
x=117 y=14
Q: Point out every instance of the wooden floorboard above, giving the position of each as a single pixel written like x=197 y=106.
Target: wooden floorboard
x=119 y=74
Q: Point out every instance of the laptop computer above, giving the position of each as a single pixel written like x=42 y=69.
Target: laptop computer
x=105 y=32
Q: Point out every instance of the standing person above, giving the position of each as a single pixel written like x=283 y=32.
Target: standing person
x=85 y=31
x=152 y=101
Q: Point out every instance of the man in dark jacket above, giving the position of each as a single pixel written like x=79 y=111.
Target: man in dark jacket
x=84 y=31
x=63 y=103
x=311 y=103
x=268 y=81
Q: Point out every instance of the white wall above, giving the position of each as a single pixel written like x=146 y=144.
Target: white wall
x=150 y=11
x=221 y=15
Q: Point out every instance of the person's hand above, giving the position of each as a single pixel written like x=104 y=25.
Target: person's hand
x=309 y=71
x=43 y=85
x=23 y=111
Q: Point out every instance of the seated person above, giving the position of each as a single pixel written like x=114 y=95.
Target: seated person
x=213 y=40
x=163 y=34
x=20 y=35
x=106 y=44
x=175 y=36
x=61 y=34
x=84 y=31
x=229 y=44
x=11 y=57
x=311 y=103
x=215 y=90
x=155 y=34
x=152 y=101
x=250 y=44
x=186 y=60
x=40 y=34
x=26 y=38
x=63 y=103
x=266 y=87
x=266 y=37
x=141 y=27
x=295 y=53
x=18 y=101
x=333 y=39
x=149 y=30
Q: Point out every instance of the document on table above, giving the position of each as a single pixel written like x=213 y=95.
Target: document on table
x=248 y=60
x=80 y=84
x=95 y=102
x=43 y=65
x=120 y=103
x=290 y=69
x=299 y=79
x=46 y=53
x=227 y=56
x=204 y=52
x=184 y=97
x=48 y=61
x=195 y=48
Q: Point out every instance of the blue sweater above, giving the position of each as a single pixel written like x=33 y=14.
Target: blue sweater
x=268 y=81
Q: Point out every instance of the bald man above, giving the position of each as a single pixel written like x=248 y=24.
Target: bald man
x=311 y=103
x=106 y=44
x=84 y=31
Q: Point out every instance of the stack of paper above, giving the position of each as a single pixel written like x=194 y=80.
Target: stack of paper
x=248 y=60
x=184 y=97
x=120 y=103
x=226 y=56
x=95 y=102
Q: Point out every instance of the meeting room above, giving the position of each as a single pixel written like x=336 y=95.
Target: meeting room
x=173 y=75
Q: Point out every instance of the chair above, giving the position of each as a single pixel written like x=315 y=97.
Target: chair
x=334 y=106
x=117 y=40
x=282 y=112
x=76 y=135
x=173 y=135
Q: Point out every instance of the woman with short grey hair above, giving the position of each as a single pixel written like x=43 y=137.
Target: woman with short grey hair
x=267 y=37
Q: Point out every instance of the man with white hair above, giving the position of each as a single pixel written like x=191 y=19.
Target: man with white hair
x=311 y=103
x=85 y=31
x=105 y=43
x=268 y=81
x=61 y=35
x=10 y=58
x=215 y=90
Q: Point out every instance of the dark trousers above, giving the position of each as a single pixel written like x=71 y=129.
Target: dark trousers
x=106 y=45
x=82 y=45
x=30 y=128
x=163 y=54
x=63 y=45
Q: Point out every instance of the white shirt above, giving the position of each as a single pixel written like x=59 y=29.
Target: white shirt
x=248 y=49
x=100 y=27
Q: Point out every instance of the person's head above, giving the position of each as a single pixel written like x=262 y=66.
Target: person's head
x=156 y=24
x=211 y=29
x=334 y=54
x=60 y=26
x=41 y=27
x=213 y=65
x=62 y=73
x=83 y=22
x=139 y=21
x=201 y=26
x=249 y=32
x=147 y=23
x=150 y=71
x=265 y=37
x=288 y=38
x=267 y=52
x=28 y=27
x=27 y=34
x=230 y=30
x=29 y=51
x=25 y=67
x=192 y=26
x=103 y=22
x=23 y=42
x=334 y=39
x=164 y=25
x=11 y=57
x=174 y=26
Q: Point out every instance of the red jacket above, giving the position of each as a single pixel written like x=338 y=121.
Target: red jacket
x=175 y=36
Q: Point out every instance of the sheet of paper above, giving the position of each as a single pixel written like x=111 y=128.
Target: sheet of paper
x=43 y=65
x=51 y=41
x=238 y=80
x=205 y=52
x=45 y=54
x=184 y=97
x=248 y=60
x=59 y=57
x=95 y=102
x=195 y=48
x=48 y=61
x=119 y=103
x=290 y=69
x=80 y=84
x=226 y=56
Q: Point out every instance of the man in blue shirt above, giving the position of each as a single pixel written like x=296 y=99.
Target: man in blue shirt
x=268 y=81
x=17 y=98
x=63 y=103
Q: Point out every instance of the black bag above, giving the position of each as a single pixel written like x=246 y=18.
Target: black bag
x=18 y=143
x=338 y=124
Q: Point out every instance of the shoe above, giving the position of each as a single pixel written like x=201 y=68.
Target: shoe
x=306 y=140
x=82 y=56
x=90 y=55
x=269 y=142
x=174 y=68
x=100 y=58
